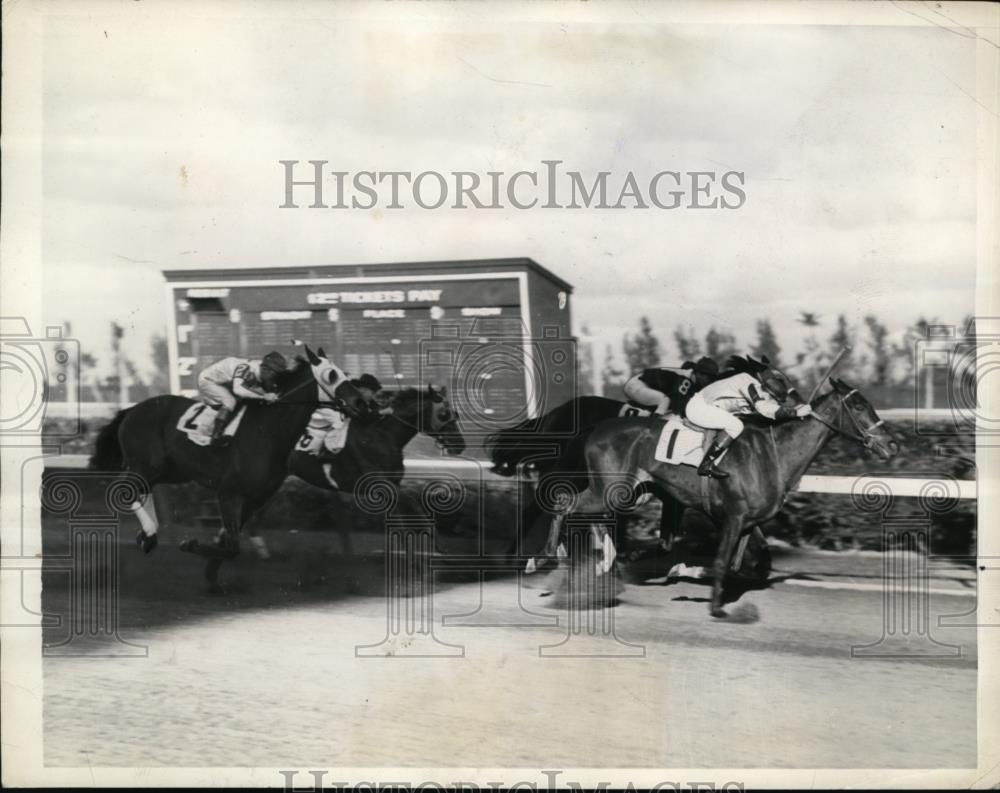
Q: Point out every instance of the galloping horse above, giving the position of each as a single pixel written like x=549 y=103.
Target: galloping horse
x=377 y=444
x=554 y=444
x=144 y=440
x=765 y=463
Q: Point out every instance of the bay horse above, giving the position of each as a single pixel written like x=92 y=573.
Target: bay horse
x=554 y=443
x=144 y=440
x=765 y=464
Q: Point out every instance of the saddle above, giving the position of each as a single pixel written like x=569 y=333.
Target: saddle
x=197 y=421
x=633 y=409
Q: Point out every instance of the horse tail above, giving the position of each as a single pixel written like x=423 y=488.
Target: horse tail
x=107 y=454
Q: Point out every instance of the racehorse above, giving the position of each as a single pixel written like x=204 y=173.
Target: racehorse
x=144 y=440
x=765 y=464
x=554 y=444
x=377 y=444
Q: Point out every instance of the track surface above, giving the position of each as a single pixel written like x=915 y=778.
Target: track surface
x=267 y=675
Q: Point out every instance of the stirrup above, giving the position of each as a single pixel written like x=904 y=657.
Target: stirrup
x=709 y=468
x=716 y=473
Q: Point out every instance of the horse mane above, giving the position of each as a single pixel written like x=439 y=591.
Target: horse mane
x=292 y=375
x=405 y=395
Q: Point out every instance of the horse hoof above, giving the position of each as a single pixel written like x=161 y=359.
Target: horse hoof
x=188 y=545
x=147 y=542
x=719 y=613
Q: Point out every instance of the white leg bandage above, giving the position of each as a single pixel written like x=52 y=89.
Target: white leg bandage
x=146 y=515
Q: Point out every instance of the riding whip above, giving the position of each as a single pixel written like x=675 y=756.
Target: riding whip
x=830 y=371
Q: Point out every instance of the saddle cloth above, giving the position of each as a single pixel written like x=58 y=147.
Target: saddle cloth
x=630 y=409
x=197 y=421
x=326 y=431
x=682 y=443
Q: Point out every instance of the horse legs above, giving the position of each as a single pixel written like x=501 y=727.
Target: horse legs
x=670 y=521
x=529 y=515
x=235 y=509
x=259 y=546
x=588 y=501
x=555 y=530
x=145 y=511
x=731 y=526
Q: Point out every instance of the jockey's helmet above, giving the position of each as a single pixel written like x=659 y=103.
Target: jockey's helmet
x=271 y=364
x=705 y=370
x=275 y=361
x=368 y=381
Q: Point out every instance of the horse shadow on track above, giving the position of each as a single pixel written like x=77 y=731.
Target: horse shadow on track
x=654 y=568
x=167 y=587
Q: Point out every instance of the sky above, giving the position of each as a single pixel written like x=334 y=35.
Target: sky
x=162 y=137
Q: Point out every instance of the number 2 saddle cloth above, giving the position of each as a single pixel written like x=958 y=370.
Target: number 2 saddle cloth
x=197 y=422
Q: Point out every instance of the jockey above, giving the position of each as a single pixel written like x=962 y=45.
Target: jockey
x=713 y=408
x=667 y=389
x=225 y=382
x=330 y=424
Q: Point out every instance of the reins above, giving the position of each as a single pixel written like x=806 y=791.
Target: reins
x=864 y=436
x=338 y=404
x=419 y=398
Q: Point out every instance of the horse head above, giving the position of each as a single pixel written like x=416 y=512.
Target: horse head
x=440 y=420
x=334 y=384
x=862 y=424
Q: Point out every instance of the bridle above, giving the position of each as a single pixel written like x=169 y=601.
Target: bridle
x=336 y=403
x=864 y=436
x=452 y=417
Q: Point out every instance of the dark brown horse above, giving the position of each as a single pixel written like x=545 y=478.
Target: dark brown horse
x=553 y=443
x=144 y=440
x=376 y=444
x=765 y=464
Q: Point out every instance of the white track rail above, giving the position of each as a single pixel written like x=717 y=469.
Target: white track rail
x=97 y=410
x=464 y=467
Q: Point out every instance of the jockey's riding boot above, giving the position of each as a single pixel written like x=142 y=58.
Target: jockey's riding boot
x=221 y=420
x=719 y=445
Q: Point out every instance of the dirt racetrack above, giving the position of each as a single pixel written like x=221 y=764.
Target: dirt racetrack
x=270 y=673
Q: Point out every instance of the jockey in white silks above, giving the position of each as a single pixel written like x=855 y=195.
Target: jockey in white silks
x=330 y=424
x=225 y=382
x=714 y=406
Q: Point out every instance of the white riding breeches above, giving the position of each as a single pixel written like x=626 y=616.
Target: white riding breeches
x=638 y=391
x=215 y=395
x=708 y=416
